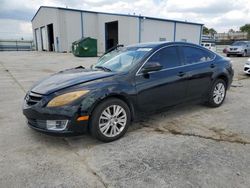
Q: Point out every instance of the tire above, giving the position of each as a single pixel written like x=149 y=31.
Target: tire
x=216 y=101
x=107 y=126
x=228 y=55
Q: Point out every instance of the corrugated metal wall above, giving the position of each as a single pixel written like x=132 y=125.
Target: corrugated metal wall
x=44 y=17
x=153 y=30
x=70 y=25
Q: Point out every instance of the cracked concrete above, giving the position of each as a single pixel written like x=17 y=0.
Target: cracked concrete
x=188 y=146
x=219 y=135
x=213 y=133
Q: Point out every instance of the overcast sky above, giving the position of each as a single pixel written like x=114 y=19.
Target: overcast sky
x=222 y=15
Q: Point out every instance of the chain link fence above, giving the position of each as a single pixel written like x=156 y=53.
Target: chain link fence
x=16 y=45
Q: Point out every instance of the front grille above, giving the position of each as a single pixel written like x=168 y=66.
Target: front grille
x=41 y=124
x=233 y=48
x=246 y=69
x=33 y=98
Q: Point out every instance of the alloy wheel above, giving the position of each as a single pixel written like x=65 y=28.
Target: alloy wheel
x=219 y=93
x=112 y=121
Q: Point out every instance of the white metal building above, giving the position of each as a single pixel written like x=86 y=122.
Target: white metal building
x=55 y=29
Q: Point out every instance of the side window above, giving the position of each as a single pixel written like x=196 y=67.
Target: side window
x=168 y=57
x=195 y=55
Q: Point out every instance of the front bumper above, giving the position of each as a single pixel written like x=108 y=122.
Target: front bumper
x=37 y=116
x=72 y=128
x=235 y=53
x=247 y=69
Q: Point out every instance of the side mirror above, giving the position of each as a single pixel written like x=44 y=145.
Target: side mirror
x=152 y=66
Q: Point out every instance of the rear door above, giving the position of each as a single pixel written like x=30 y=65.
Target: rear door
x=199 y=66
x=165 y=87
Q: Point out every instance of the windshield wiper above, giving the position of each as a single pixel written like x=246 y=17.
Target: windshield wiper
x=103 y=68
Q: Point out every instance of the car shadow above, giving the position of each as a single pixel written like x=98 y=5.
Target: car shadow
x=164 y=114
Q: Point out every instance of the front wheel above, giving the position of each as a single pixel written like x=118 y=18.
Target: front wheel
x=217 y=93
x=110 y=120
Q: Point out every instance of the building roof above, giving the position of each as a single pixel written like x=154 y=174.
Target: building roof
x=116 y=14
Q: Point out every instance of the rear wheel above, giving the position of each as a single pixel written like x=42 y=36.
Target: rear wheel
x=110 y=120
x=217 y=93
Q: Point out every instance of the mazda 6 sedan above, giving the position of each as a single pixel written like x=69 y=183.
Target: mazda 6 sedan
x=124 y=84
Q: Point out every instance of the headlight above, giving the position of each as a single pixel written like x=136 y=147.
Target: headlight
x=240 y=49
x=66 y=98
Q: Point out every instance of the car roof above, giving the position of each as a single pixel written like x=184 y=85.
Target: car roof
x=207 y=42
x=147 y=45
x=159 y=44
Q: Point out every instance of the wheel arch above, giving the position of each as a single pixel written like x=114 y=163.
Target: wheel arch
x=223 y=77
x=118 y=96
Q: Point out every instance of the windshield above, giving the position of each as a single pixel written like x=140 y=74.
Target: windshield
x=238 y=44
x=121 y=59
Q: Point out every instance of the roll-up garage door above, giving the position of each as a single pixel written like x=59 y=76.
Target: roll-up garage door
x=44 y=39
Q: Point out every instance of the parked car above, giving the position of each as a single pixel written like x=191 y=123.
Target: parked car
x=209 y=45
x=247 y=67
x=239 y=48
x=124 y=84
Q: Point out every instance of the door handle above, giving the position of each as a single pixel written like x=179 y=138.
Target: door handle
x=181 y=74
x=212 y=65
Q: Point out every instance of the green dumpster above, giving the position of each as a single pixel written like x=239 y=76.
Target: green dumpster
x=85 y=47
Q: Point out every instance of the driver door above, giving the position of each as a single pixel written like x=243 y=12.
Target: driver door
x=165 y=87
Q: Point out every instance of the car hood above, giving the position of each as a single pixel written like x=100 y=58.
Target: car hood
x=239 y=47
x=67 y=78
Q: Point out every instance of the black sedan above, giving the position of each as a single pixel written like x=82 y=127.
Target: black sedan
x=124 y=84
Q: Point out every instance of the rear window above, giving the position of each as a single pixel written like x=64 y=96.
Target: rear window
x=194 y=55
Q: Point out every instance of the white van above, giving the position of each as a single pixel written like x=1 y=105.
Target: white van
x=209 y=45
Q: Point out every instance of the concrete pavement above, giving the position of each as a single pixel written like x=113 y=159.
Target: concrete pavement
x=188 y=146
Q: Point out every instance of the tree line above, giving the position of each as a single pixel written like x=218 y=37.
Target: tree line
x=212 y=31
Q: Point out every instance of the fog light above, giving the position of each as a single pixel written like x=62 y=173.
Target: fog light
x=56 y=125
